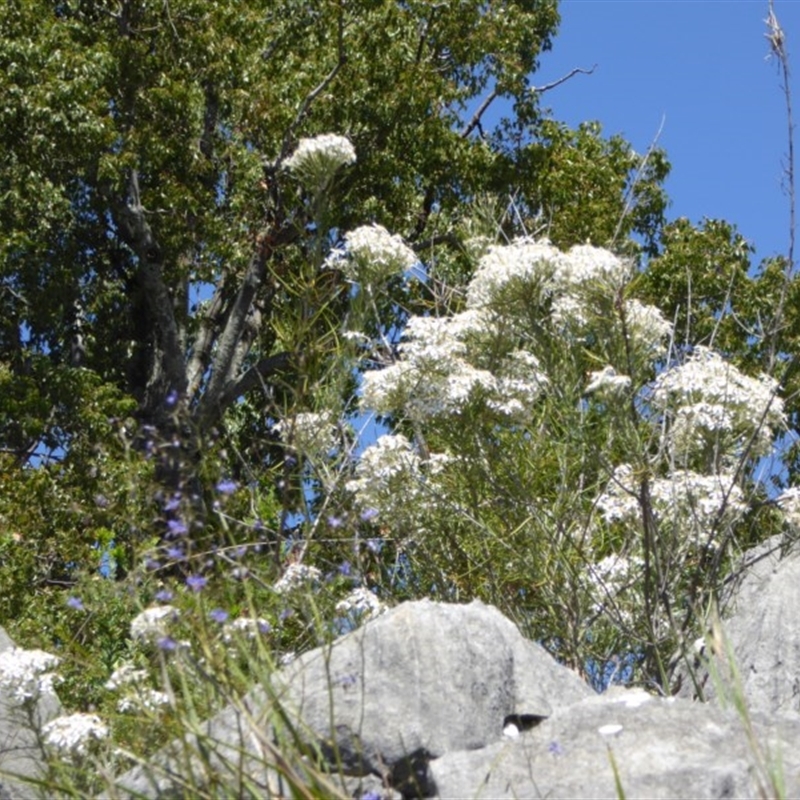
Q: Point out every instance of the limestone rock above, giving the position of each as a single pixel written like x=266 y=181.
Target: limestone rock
x=661 y=749
x=760 y=623
x=20 y=754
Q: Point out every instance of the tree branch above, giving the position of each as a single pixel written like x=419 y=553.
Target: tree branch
x=548 y=86
x=136 y=233
x=476 y=117
x=256 y=376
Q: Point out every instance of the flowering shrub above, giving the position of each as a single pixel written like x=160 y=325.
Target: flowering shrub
x=26 y=675
x=316 y=160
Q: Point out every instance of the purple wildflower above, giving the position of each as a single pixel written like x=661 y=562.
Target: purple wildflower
x=218 y=615
x=226 y=486
x=345 y=569
x=196 y=582
x=555 y=749
x=75 y=602
x=334 y=522
x=173 y=504
x=164 y=595
x=369 y=513
x=171 y=399
x=151 y=563
x=263 y=627
x=167 y=643
x=175 y=552
x=375 y=545
x=370 y=795
x=176 y=528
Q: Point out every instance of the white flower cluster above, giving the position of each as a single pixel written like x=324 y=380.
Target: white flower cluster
x=789 y=503
x=571 y=280
x=371 y=255
x=296 y=576
x=248 y=628
x=647 y=327
x=607 y=381
x=153 y=623
x=74 y=734
x=125 y=676
x=687 y=501
x=523 y=260
x=713 y=403
x=389 y=478
x=611 y=576
x=26 y=675
x=316 y=160
x=138 y=696
x=361 y=604
x=308 y=433
x=435 y=376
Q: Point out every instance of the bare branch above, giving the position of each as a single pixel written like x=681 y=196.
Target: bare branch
x=476 y=117
x=204 y=341
x=256 y=376
x=636 y=178
x=548 y=86
x=777 y=41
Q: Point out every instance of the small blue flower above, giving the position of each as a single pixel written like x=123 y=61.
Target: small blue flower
x=263 y=627
x=196 y=582
x=175 y=552
x=176 y=528
x=226 y=486
x=369 y=513
x=164 y=595
x=218 y=615
x=171 y=399
x=370 y=795
x=334 y=522
x=555 y=749
x=167 y=643
x=345 y=569
x=76 y=603
x=375 y=545
x=348 y=681
x=173 y=504
x=151 y=563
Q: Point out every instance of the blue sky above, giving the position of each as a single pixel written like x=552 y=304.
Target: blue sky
x=701 y=66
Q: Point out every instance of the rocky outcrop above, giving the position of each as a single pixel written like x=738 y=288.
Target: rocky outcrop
x=760 y=629
x=420 y=681
x=20 y=754
x=450 y=701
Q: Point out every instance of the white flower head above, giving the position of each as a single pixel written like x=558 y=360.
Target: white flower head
x=248 y=628
x=26 y=674
x=585 y=264
x=607 y=381
x=523 y=260
x=308 y=433
x=125 y=676
x=73 y=735
x=316 y=160
x=789 y=503
x=372 y=255
x=712 y=401
x=296 y=576
x=142 y=698
x=153 y=623
x=362 y=604
x=647 y=327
